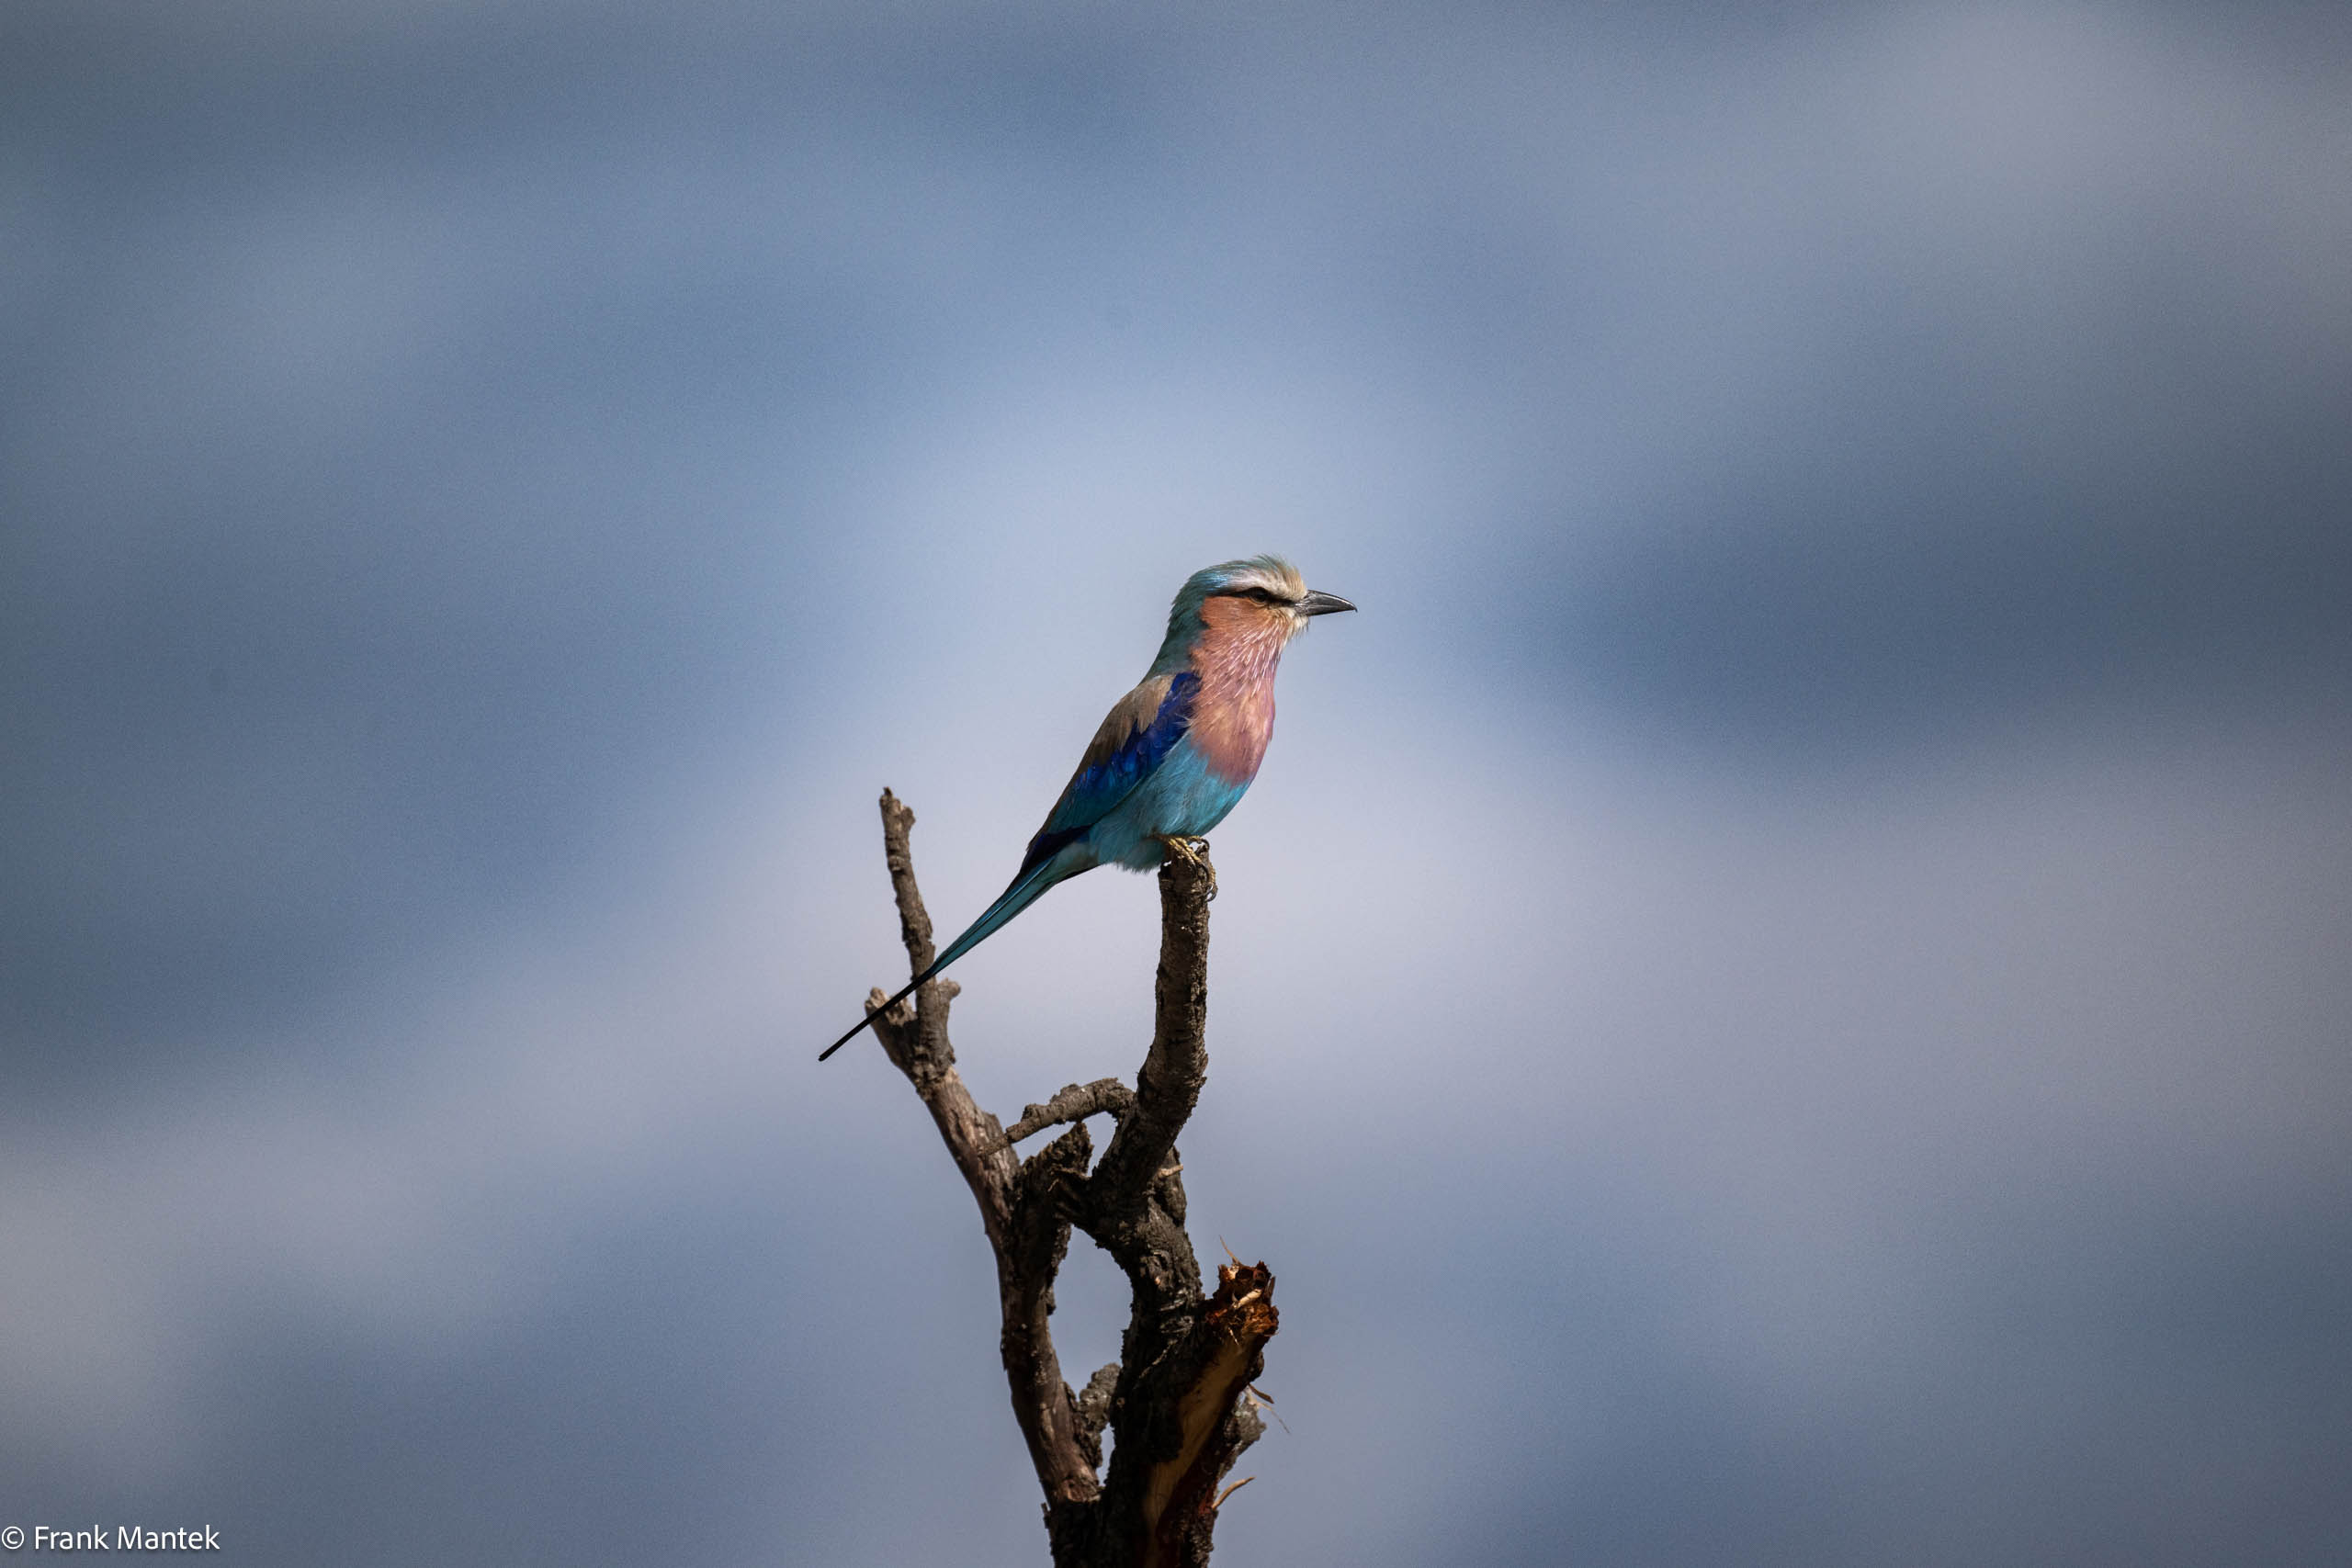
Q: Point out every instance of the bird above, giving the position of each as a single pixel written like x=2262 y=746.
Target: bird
x=1174 y=755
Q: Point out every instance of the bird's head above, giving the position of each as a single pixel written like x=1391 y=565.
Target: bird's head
x=1260 y=598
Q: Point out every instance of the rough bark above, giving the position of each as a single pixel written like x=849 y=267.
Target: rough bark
x=1176 y=1402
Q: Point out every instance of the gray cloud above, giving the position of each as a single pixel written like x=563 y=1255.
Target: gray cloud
x=1818 y=870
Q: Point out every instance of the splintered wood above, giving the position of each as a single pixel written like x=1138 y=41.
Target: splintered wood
x=1233 y=1329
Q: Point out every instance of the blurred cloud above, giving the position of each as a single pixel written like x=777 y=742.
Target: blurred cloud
x=1780 y=998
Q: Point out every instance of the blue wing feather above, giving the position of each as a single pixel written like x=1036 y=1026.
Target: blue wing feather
x=1136 y=738
x=1125 y=750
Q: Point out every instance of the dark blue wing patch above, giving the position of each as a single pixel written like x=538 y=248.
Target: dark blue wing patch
x=1096 y=788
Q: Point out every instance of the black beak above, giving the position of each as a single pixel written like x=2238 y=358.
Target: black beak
x=1318 y=603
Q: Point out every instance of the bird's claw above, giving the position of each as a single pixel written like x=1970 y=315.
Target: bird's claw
x=1191 y=851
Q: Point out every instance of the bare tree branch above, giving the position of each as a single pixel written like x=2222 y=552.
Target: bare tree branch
x=1042 y=1402
x=1175 y=1401
x=1074 y=1103
x=1177 y=1064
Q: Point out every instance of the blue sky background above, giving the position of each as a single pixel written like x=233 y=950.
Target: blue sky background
x=1780 y=998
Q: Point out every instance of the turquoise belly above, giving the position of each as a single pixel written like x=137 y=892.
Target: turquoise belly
x=1180 y=798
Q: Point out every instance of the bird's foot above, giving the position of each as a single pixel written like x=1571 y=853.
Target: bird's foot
x=1191 y=851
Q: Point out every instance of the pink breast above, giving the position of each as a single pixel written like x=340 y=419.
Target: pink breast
x=1230 y=729
x=1233 y=717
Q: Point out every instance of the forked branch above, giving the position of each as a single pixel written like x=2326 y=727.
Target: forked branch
x=1175 y=1401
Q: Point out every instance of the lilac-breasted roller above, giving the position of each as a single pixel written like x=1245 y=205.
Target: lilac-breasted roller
x=1176 y=753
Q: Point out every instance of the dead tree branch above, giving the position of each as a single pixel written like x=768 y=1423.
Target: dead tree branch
x=1175 y=1401
x=1074 y=1103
